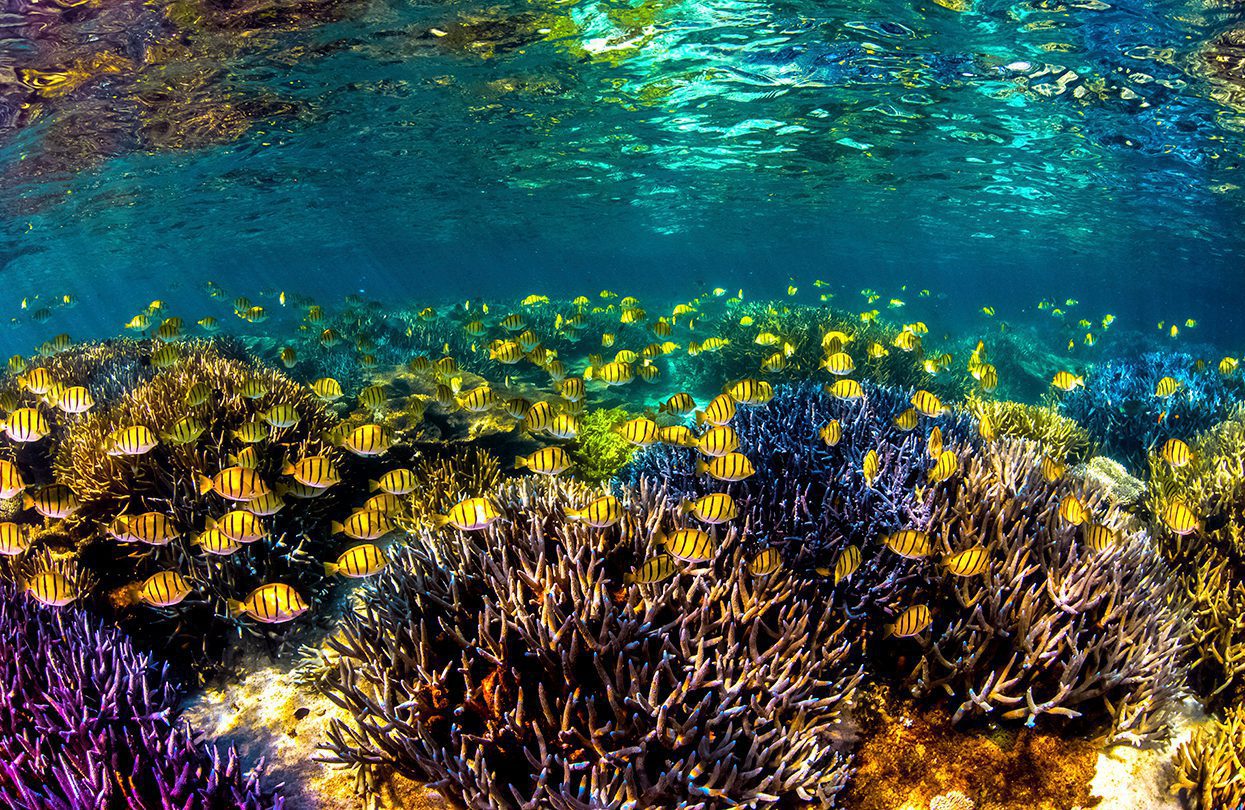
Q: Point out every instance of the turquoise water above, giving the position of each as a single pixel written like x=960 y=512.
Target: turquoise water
x=997 y=154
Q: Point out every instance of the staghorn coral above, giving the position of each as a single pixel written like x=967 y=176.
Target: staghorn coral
x=444 y=479
x=1061 y=437
x=811 y=500
x=1051 y=627
x=1121 y=412
x=513 y=667
x=87 y=721
x=1209 y=764
x=599 y=451
x=1209 y=561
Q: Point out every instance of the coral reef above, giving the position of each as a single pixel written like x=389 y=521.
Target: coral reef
x=1209 y=560
x=1061 y=437
x=165 y=481
x=445 y=478
x=1209 y=765
x=87 y=721
x=512 y=665
x=1052 y=626
x=1125 y=418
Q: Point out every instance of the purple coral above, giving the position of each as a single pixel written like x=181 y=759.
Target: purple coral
x=811 y=500
x=514 y=667
x=86 y=721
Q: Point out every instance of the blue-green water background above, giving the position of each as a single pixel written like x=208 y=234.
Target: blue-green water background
x=657 y=148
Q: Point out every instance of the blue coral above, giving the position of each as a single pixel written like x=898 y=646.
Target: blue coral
x=1120 y=410
x=88 y=721
x=811 y=500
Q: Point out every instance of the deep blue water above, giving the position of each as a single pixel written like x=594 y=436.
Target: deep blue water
x=997 y=154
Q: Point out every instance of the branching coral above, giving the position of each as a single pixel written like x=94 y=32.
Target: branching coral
x=1209 y=560
x=443 y=480
x=87 y=721
x=1052 y=627
x=1062 y=438
x=812 y=500
x=1119 y=408
x=1209 y=765
x=514 y=667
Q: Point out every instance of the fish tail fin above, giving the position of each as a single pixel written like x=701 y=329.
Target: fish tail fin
x=700 y=417
x=887 y=630
x=330 y=569
x=588 y=373
x=372 y=486
x=440 y=521
x=519 y=462
x=205 y=485
x=336 y=527
x=27 y=501
x=234 y=607
x=659 y=538
x=628 y=578
x=287 y=468
x=210 y=524
x=685 y=506
x=701 y=466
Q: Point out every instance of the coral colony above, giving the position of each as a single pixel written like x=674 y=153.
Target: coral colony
x=529 y=569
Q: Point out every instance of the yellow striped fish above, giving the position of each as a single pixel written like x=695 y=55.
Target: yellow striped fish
x=280 y=416
x=677 y=435
x=1177 y=453
x=264 y=505
x=273 y=603
x=765 y=563
x=839 y=364
x=186 y=430
x=845 y=389
x=689 y=545
x=928 y=404
x=717 y=507
x=134 y=440
x=945 y=467
x=1072 y=510
x=600 y=513
x=52 y=588
x=907 y=420
x=395 y=482
x=252 y=432
x=1166 y=387
x=546 y=461
x=1052 y=470
x=1098 y=537
x=313 y=471
x=26 y=425
x=869 y=467
x=152 y=528
x=679 y=404
x=364 y=525
x=846 y=563
x=639 y=431
x=362 y=560
x=75 y=399
x=55 y=501
x=719 y=411
x=11 y=481
x=239 y=525
x=368 y=440
x=718 y=440
x=214 y=541
x=831 y=433
x=751 y=392
x=654 y=569
x=968 y=563
x=14 y=539
x=469 y=515
x=730 y=467
x=933 y=445
x=164 y=589
x=1178 y=517
x=910 y=622
x=1067 y=381
x=910 y=543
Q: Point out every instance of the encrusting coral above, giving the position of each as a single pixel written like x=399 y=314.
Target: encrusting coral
x=88 y=721
x=1061 y=437
x=514 y=666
